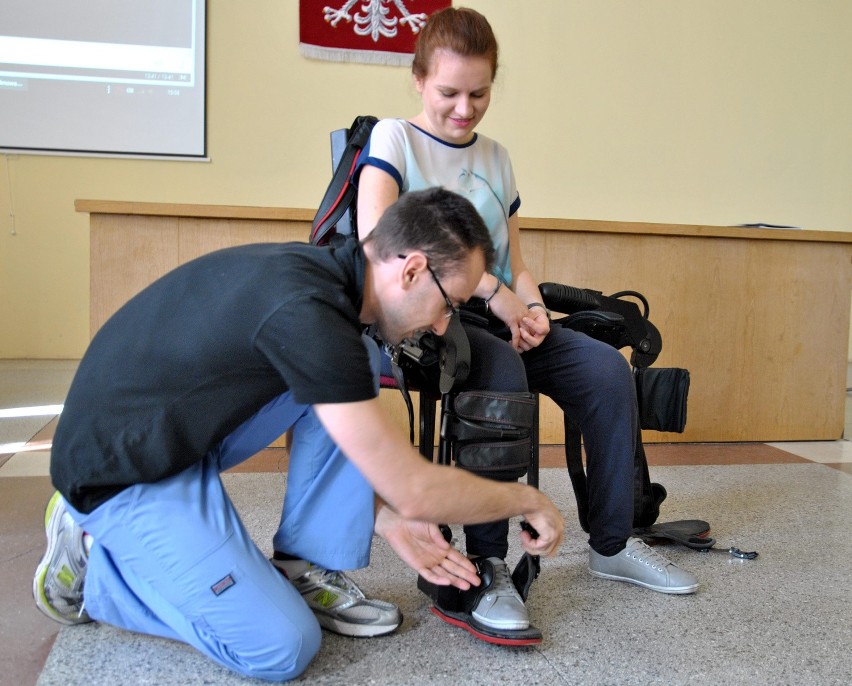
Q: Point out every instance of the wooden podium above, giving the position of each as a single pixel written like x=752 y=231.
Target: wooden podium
x=760 y=317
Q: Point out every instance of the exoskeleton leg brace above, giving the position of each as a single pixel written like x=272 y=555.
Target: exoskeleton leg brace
x=488 y=433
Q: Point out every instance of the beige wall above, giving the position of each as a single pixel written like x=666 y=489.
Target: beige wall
x=675 y=111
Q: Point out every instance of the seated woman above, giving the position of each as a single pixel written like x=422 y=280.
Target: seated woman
x=454 y=67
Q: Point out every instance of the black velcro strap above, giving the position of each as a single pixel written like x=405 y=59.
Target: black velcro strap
x=498 y=457
x=490 y=431
x=526 y=571
x=497 y=410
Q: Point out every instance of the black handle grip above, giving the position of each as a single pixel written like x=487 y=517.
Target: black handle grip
x=529 y=528
x=568 y=299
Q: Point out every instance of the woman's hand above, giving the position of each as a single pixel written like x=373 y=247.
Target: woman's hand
x=511 y=310
x=528 y=326
x=534 y=328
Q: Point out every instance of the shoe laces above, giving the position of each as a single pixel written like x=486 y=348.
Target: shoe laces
x=331 y=577
x=502 y=584
x=642 y=552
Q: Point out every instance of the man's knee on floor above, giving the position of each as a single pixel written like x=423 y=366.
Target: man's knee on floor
x=285 y=655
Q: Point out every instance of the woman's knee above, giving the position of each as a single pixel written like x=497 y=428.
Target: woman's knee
x=494 y=364
x=613 y=370
x=582 y=374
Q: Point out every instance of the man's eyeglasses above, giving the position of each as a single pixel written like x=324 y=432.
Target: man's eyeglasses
x=451 y=309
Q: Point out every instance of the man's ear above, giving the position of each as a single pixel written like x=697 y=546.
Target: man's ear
x=413 y=266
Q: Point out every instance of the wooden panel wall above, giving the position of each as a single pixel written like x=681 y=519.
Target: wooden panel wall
x=759 y=317
x=762 y=325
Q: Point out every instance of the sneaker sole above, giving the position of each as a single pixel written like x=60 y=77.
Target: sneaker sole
x=52 y=517
x=676 y=590
x=354 y=630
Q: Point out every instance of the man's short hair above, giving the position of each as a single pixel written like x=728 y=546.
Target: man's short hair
x=443 y=225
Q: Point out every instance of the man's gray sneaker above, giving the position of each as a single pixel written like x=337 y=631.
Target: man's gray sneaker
x=499 y=605
x=61 y=573
x=340 y=606
x=640 y=564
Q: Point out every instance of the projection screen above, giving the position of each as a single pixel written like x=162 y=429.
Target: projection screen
x=103 y=77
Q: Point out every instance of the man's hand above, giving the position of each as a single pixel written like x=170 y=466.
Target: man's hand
x=423 y=548
x=548 y=523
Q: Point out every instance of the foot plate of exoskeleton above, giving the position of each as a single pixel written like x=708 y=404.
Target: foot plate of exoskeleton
x=449 y=607
x=517 y=637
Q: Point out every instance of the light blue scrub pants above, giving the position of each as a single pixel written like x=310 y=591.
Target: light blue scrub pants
x=173 y=558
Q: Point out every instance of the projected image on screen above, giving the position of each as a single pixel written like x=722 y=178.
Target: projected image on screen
x=103 y=76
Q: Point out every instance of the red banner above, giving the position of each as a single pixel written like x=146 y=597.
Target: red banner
x=373 y=31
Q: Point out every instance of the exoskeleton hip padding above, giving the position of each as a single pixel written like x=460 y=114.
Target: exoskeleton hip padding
x=490 y=431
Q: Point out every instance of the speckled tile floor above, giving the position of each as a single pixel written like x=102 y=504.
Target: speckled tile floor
x=785 y=618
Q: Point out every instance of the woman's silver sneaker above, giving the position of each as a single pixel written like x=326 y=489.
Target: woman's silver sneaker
x=499 y=605
x=640 y=564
